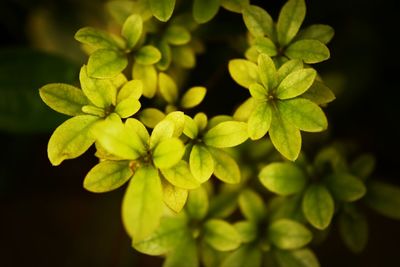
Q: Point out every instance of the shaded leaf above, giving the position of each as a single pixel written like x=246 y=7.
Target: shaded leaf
x=197 y=203
x=205 y=10
x=310 y=51
x=318 y=206
x=162 y=9
x=384 y=199
x=132 y=30
x=288 y=234
x=252 y=206
x=221 y=235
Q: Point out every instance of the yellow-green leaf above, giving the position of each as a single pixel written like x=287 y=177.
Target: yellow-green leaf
x=296 y=83
x=259 y=121
x=96 y=38
x=148 y=75
x=226 y=134
x=147 y=55
x=205 y=10
x=267 y=72
x=310 y=51
x=201 y=163
x=180 y=176
x=174 y=197
x=244 y=72
x=162 y=9
x=225 y=167
x=177 y=35
x=258 y=21
x=168 y=88
x=288 y=234
x=106 y=63
x=168 y=153
x=221 y=235
x=318 y=206
x=151 y=117
x=132 y=30
x=252 y=206
x=193 y=97
x=290 y=19
x=197 y=203
x=320 y=32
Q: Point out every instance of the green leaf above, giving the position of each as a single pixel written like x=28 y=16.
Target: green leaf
x=106 y=63
x=252 y=206
x=63 y=98
x=197 y=203
x=137 y=127
x=320 y=32
x=178 y=119
x=259 y=92
x=353 y=229
x=258 y=21
x=345 y=187
x=164 y=238
x=201 y=121
x=132 y=30
x=96 y=38
x=363 y=166
x=162 y=9
x=259 y=121
x=127 y=108
x=247 y=230
x=166 y=55
x=168 y=88
x=304 y=114
x=177 y=35
x=205 y=10
x=193 y=97
x=244 y=72
x=147 y=55
x=190 y=128
x=296 y=83
x=163 y=130
x=184 y=253
x=288 y=234
x=201 y=163
x=225 y=167
x=265 y=45
x=221 y=235
x=267 y=71
x=319 y=93
x=214 y=121
x=283 y=178
x=296 y=258
x=318 y=206
x=290 y=19
x=148 y=75
x=184 y=56
x=243 y=112
x=247 y=255
x=226 y=134
x=285 y=136
x=168 y=152
x=310 y=51
x=289 y=67
x=131 y=89
x=234 y=5
x=384 y=199
x=223 y=204
x=118 y=139
x=180 y=176
x=174 y=197
x=71 y=139
x=151 y=117
x=107 y=176
x=100 y=92
x=142 y=205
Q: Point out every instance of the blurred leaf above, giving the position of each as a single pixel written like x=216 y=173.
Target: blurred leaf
x=201 y=163
x=205 y=10
x=384 y=199
x=353 y=229
x=288 y=234
x=345 y=187
x=296 y=258
x=320 y=32
x=162 y=9
x=177 y=35
x=132 y=30
x=234 y=5
x=252 y=206
x=197 y=203
x=147 y=55
x=248 y=255
x=225 y=167
x=221 y=235
x=318 y=206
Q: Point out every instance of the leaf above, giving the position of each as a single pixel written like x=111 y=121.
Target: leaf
x=147 y=55
x=148 y=75
x=318 y=206
x=193 y=97
x=247 y=255
x=345 y=187
x=184 y=253
x=296 y=258
x=142 y=205
x=132 y=89
x=259 y=121
x=283 y=178
x=304 y=114
x=353 y=229
x=243 y=72
x=184 y=56
x=288 y=234
x=190 y=128
x=252 y=206
x=106 y=63
x=71 y=139
x=163 y=130
x=223 y=204
x=225 y=167
x=310 y=51
x=177 y=35
x=107 y=176
x=290 y=19
x=174 y=197
x=178 y=119
x=197 y=203
x=258 y=21
x=63 y=98
x=168 y=152
x=384 y=199
x=259 y=92
x=100 y=92
x=201 y=163
x=221 y=235
x=242 y=113
x=285 y=137
x=296 y=83
x=265 y=45
x=166 y=55
x=127 y=108
x=226 y=134
x=180 y=176
x=119 y=140
x=138 y=128
x=247 y=231
x=201 y=121
x=168 y=88
x=289 y=67
x=162 y=9
x=363 y=166
x=320 y=32
x=164 y=238
x=205 y=10
x=267 y=72
x=96 y=38
x=234 y=5
x=132 y=30
x=319 y=93
x=151 y=117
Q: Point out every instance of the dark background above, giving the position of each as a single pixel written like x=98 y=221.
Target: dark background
x=46 y=217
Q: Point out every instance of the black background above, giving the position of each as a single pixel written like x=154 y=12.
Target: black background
x=47 y=219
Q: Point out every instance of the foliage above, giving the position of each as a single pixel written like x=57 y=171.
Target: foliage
x=130 y=106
